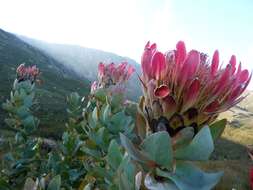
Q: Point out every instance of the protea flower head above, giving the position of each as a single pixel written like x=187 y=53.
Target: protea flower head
x=187 y=88
x=112 y=75
x=27 y=73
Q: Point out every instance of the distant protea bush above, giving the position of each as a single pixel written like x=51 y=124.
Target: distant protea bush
x=113 y=76
x=23 y=156
x=112 y=143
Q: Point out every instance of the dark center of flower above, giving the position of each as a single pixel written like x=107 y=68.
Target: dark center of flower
x=176 y=123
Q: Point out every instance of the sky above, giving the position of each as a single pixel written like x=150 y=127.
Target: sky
x=124 y=26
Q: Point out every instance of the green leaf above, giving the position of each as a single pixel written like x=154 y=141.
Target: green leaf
x=100 y=94
x=200 y=147
x=30 y=123
x=126 y=173
x=114 y=156
x=189 y=177
x=106 y=113
x=55 y=183
x=152 y=184
x=131 y=150
x=22 y=112
x=28 y=100
x=158 y=148
x=30 y=184
x=74 y=99
x=102 y=172
x=124 y=183
x=92 y=152
x=102 y=137
x=10 y=122
x=117 y=100
x=183 y=137
x=4 y=185
x=75 y=174
x=95 y=114
x=8 y=106
x=120 y=122
x=217 y=128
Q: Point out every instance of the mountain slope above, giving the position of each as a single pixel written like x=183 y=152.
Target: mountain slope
x=84 y=61
x=58 y=80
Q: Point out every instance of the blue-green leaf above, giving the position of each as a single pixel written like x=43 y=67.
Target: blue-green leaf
x=189 y=177
x=158 y=148
x=95 y=114
x=106 y=113
x=126 y=173
x=217 y=128
x=55 y=183
x=152 y=184
x=200 y=147
x=114 y=156
x=133 y=152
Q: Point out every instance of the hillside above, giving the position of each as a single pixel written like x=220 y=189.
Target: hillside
x=239 y=131
x=58 y=80
x=84 y=61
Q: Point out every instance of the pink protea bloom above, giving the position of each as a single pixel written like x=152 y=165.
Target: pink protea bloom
x=153 y=63
x=27 y=73
x=188 y=89
x=113 y=75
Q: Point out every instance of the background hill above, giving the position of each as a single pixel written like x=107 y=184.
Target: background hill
x=65 y=68
x=58 y=80
x=84 y=61
x=240 y=127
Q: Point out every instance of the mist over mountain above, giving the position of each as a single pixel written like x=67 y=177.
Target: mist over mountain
x=65 y=69
x=84 y=61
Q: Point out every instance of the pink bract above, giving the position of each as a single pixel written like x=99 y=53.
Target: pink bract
x=183 y=81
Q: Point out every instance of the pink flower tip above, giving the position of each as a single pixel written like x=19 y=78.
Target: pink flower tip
x=162 y=91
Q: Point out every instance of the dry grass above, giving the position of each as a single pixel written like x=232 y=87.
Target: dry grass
x=230 y=153
x=236 y=173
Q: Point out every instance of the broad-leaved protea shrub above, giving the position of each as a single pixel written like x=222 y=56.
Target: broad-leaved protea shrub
x=22 y=99
x=23 y=156
x=112 y=143
x=105 y=118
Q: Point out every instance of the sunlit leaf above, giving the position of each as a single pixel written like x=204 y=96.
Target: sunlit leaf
x=200 y=147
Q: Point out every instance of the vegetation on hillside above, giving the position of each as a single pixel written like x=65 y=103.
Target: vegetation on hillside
x=57 y=82
x=84 y=61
